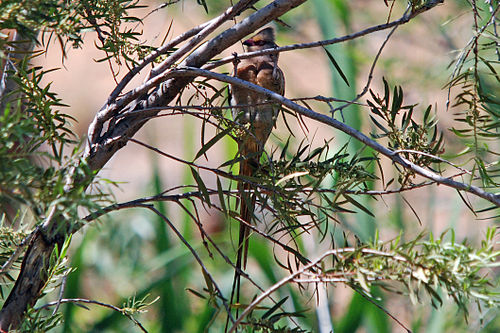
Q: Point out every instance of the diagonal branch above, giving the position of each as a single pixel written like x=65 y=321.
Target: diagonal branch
x=393 y=155
x=100 y=148
x=283 y=282
x=89 y=301
x=200 y=32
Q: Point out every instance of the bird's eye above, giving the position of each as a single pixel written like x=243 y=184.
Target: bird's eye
x=259 y=43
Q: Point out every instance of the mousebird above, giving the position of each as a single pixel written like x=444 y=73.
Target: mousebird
x=257 y=114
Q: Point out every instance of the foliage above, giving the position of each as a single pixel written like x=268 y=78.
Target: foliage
x=34 y=164
x=418 y=143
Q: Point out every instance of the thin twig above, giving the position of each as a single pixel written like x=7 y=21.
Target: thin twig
x=200 y=36
x=381 y=308
x=411 y=151
x=466 y=51
x=143 y=203
x=326 y=100
x=198 y=194
x=404 y=19
x=195 y=255
x=372 y=68
x=61 y=293
x=89 y=301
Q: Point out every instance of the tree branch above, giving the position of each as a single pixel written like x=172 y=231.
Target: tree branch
x=101 y=148
x=394 y=156
x=404 y=19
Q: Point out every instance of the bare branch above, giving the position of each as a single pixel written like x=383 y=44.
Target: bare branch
x=213 y=24
x=417 y=152
x=370 y=73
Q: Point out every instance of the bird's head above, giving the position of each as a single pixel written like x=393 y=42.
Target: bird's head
x=264 y=39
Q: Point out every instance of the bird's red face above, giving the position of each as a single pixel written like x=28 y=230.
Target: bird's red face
x=253 y=42
x=264 y=39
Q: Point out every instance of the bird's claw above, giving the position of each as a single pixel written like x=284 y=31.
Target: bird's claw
x=236 y=61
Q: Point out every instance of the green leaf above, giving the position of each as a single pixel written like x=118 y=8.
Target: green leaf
x=397 y=101
x=358 y=205
x=336 y=65
x=379 y=125
x=387 y=92
x=212 y=142
x=284 y=149
x=204 y=4
x=201 y=186
x=406 y=119
x=220 y=192
x=274 y=308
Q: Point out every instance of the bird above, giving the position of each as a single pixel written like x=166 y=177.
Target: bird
x=257 y=116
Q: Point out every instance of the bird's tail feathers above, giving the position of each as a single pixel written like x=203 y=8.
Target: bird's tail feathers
x=247 y=205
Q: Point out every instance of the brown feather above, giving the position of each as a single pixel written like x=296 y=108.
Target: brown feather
x=260 y=119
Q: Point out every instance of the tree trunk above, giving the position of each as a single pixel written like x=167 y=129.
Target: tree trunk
x=31 y=280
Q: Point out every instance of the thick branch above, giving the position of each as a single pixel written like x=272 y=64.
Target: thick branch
x=100 y=151
x=34 y=272
x=200 y=33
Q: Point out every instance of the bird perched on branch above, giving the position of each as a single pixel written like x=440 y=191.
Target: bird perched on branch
x=257 y=115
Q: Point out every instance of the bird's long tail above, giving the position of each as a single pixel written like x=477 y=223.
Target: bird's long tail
x=247 y=205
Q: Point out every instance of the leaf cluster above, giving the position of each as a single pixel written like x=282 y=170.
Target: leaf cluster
x=404 y=133
x=300 y=180
x=38 y=322
x=53 y=16
x=10 y=240
x=268 y=321
x=420 y=267
x=119 y=40
x=67 y=21
x=35 y=136
x=58 y=267
x=477 y=103
x=30 y=125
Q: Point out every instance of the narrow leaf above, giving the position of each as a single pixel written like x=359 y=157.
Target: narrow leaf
x=212 y=141
x=337 y=67
x=201 y=186
x=274 y=308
